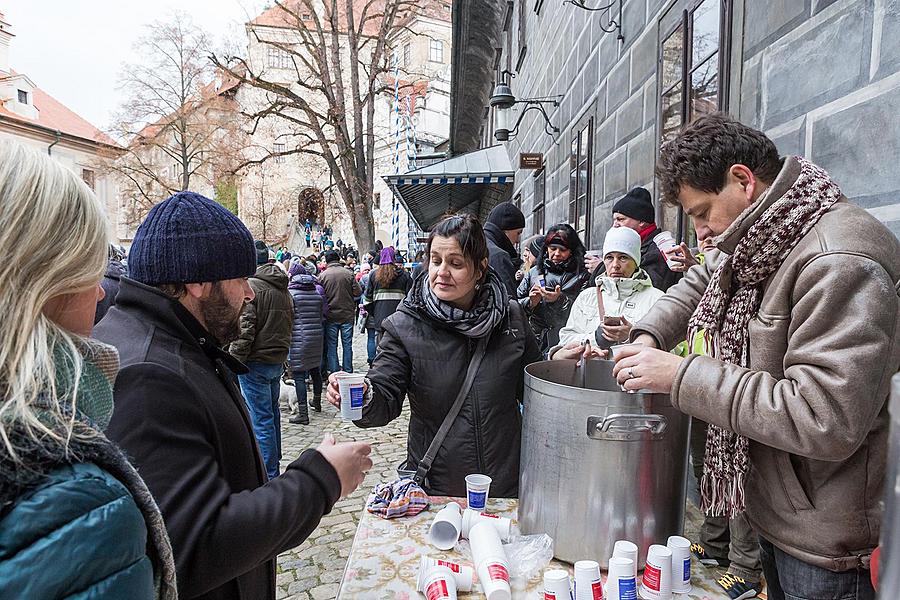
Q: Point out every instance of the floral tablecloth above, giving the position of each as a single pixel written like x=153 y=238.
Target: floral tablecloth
x=384 y=559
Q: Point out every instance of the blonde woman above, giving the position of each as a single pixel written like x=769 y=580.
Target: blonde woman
x=76 y=517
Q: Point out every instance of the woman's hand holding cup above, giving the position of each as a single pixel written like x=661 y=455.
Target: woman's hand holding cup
x=333 y=393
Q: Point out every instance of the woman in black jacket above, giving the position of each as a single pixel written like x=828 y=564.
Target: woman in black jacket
x=424 y=353
x=550 y=287
x=386 y=286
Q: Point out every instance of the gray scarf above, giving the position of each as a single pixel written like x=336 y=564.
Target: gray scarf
x=489 y=309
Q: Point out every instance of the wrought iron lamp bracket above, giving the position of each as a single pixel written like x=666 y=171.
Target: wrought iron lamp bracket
x=613 y=25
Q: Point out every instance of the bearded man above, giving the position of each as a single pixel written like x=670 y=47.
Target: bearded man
x=180 y=416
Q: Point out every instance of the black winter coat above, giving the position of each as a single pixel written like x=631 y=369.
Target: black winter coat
x=382 y=302
x=180 y=416
x=427 y=361
x=502 y=257
x=653 y=261
x=307 y=333
x=115 y=270
x=547 y=318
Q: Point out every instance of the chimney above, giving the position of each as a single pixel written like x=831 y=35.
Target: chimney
x=5 y=37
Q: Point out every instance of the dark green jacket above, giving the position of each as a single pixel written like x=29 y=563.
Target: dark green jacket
x=266 y=321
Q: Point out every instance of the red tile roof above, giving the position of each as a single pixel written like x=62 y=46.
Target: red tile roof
x=413 y=89
x=53 y=114
x=276 y=16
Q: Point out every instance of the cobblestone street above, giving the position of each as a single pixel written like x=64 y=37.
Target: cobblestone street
x=314 y=569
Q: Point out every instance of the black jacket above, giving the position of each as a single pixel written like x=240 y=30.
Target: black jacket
x=266 y=321
x=307 y=335
x=382 y=302
x=547 y=319
x=110 y=284
x=427 y=361
x=502 y=257
x=653 y=261
x=180 y=416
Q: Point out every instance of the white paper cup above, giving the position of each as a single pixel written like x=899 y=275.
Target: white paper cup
x=629 y=550
x=439 y=584
x=556 y=585
x=470 y=517
x=614 y=350
x=665 y=241
x=463 y=575
x=588 y=585
x=477 y=488
x=621 y=583
x=485 y=543
x=446 y=527
x=493 y=574
x=352 y=389
x=657 y=581
x=681 y=563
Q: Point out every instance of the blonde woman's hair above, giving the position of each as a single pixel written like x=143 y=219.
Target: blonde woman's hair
x=53 y=240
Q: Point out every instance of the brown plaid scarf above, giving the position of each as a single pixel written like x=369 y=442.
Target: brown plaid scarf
x=732 y=299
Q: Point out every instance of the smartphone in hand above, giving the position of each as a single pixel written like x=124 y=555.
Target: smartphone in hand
x=611 y=321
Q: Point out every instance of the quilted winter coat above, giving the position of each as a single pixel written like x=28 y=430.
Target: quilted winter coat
x=307 y=336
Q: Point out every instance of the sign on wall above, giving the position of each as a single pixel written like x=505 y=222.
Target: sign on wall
x=531 y=160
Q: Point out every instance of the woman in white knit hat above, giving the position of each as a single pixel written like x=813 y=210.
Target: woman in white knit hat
x=626 y=293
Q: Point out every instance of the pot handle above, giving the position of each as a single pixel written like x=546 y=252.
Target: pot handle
x=627 y=427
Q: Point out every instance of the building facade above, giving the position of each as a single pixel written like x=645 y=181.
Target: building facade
x=820 y=77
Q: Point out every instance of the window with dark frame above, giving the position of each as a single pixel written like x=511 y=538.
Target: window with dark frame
x=540 y=199
x=87 y=175
x=523 y=44
x=23 y=96
x=693 y=63
x=376 y=200
x=580 y=167
x=407 y=51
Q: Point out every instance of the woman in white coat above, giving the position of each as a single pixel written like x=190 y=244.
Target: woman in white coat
x=626 y=292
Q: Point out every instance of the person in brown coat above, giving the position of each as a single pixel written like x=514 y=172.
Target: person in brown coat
x=802 y=319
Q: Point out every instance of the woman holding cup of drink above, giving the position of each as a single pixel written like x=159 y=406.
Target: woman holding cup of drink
x=457 y=310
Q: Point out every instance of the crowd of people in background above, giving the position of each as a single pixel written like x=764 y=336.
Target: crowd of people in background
x=150 y=383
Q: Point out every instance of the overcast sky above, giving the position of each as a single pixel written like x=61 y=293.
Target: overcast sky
x=74 y=49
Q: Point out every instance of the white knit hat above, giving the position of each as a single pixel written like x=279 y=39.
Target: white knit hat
x=624 y=240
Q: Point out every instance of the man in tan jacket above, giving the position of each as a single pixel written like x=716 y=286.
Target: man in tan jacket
x=802 y=316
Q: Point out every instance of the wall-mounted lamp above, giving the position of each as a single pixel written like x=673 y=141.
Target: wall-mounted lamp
x=612 y=25
x=502 y=101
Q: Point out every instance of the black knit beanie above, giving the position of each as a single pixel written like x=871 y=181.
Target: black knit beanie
x=191 y=239
x=507 y=217
x=636 y=204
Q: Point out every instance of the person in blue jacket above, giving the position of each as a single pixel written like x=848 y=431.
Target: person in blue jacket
x=76 y=520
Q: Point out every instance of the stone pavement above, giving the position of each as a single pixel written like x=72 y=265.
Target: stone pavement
x=314 y=569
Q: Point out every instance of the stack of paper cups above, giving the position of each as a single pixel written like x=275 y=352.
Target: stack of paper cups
x=439 y=584
x=621 y=584
x=657 y=581
x=470 y=517
x=445 y=528
x=477 y=488
x=665 y=241
x=629 y=550
x=681 y=564
x=462 y=574
x=352 y=389
x=588 y=585
x=490 y=561
x=556 y=585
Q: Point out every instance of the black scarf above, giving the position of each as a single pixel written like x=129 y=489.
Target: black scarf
x=489 y=309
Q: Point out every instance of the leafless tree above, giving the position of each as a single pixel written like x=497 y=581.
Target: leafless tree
x=179 y=121
x=338 y=55
x=262 y=204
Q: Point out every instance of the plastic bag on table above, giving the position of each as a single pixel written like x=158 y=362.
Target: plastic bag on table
x=528 y=556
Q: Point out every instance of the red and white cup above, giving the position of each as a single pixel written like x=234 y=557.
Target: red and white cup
x=557 y=585
x=463 y=575
x=681 y=564
x=629 y=550
x=588 y=585
x=490 y=560
x=438 y=584
x=665 y=241
x=446 y=527
x=352 y=389
x=656 y=583
x=470 y=517
x=621 y=584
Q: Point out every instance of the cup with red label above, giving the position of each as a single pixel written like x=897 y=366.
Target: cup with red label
x=556 y=585
x=352 y=389
x=470 y=517
x=681 y=563
x=621 y=583
x=490 y=561
x=446 y=526
x=588 y=585
x=665 y=241
x=493 y=574
x=439 y=584
x=463 y=575
x=629 y=550
x=477 y=488
x=656 y=583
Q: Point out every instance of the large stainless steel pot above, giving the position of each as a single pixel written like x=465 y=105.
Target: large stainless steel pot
x=599 y=464
x=890 y=527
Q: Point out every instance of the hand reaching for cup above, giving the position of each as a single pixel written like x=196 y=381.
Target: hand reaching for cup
x=683 y=256
x=350 y=460
x=578 y=350
x=333 y=392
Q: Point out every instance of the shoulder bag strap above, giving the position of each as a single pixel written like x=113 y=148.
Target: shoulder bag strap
x=425 y=463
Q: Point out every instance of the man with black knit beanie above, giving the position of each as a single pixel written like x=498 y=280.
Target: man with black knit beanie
x=180 y=416
x=503 y=229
